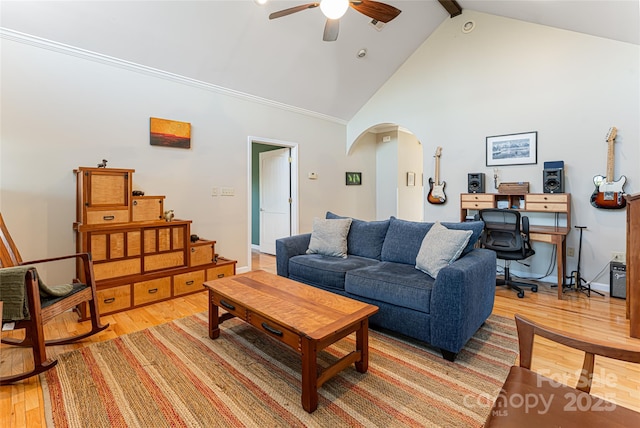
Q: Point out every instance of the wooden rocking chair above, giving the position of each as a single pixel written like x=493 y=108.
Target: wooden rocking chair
x=43 y=309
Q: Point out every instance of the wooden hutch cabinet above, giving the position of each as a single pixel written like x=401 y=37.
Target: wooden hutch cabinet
x=138 y=257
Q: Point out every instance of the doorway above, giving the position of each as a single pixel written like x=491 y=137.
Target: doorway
x=273 y=182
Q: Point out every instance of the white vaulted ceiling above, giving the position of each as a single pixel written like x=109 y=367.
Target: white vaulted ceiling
x=233 y=44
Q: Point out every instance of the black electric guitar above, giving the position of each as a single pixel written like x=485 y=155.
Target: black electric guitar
x=609 y=194
x=436 y=189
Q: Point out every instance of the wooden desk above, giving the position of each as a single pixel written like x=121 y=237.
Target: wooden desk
x=553 y=203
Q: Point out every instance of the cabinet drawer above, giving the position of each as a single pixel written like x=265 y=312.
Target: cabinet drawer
x=545 y=207
x=230 y=306
x=558 y=198
x=107 y=216
x=147 y=208
x=201 y=254
x=468 y=205
x=150 y=291
x=275 y=330
x=188 y=282
x=114 y=299
x=221 y=271
x=477 y=197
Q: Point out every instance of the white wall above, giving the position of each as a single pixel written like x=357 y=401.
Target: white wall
x=410 y=198
x=510 y=76
x=387 y=175
x=63 y=108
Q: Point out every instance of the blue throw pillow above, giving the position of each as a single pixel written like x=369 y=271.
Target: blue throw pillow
x=365 y=238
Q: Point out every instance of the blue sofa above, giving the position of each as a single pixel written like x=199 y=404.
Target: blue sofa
x=380 y=269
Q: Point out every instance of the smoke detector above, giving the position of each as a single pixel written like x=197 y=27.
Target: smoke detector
x=362 y=53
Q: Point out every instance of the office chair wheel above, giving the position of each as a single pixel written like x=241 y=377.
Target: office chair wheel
x=520 y=294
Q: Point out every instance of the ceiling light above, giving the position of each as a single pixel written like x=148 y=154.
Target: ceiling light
x=261 y=2
x=362 y=53
x=334 y=9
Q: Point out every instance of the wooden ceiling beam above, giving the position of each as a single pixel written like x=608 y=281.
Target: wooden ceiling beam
x=452 y=7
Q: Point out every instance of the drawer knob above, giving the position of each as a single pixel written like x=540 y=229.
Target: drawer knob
x=109 y=300
x=271 y=329
x=152 y=290
x=135 y=202
x=190 y=282
x=108 y=217
x=227 y=305
x=193 y=250
x=220 y=275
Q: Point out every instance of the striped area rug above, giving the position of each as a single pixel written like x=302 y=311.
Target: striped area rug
x=173 y=375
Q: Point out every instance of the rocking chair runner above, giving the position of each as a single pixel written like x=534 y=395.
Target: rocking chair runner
x=42 y=310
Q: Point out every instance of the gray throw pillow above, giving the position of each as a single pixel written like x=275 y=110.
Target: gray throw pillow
x=329 y=237
x=441 y=247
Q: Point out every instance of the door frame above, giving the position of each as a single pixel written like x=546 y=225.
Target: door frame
x=293 y=181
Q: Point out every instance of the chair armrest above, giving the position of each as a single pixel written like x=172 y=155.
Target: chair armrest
x=289 y=247
x=527 y=329
x=83 y=256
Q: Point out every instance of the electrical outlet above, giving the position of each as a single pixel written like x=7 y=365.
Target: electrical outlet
x=571 y=252
x=618 y=256
x=214 y=191
x=227 y=191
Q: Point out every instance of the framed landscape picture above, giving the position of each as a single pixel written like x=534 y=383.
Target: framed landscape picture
x=512 y=149
x=170 y=133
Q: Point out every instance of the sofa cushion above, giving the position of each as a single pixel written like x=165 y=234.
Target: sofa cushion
x=404 y=238
x=329 y=237
x=441 y=247
x=324 y=271
x=395 y=283
x=365 y=238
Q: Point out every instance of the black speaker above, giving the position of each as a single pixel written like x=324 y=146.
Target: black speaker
x=475 y=182
x=618 y=280
x=553 y=180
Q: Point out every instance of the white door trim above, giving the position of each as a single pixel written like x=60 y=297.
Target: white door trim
x=294 y=185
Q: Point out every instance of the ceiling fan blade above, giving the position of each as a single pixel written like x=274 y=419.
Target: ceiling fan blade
x=285 y=12
x=331 y=29
x=379 y=11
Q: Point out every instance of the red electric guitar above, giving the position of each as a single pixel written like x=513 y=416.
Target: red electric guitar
x=609 y=194
x=436 y=189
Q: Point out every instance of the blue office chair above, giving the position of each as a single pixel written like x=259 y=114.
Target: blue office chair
x=502 y=233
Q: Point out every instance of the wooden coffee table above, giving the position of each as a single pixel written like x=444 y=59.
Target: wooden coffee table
x=303 y=317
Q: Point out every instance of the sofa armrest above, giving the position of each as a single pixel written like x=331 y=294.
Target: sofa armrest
x=462 y=298
x=289 y=247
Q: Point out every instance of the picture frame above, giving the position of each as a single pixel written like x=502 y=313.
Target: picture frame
x=353 y=178
x=512 y=149
x=411 y=178
x=169 y=133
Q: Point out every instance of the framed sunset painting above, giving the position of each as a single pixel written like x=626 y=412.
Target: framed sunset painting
x=170 y=133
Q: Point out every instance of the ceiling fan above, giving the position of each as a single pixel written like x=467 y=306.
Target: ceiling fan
x=335 y=9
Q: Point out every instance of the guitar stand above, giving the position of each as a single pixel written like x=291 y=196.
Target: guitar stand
x=575 y=275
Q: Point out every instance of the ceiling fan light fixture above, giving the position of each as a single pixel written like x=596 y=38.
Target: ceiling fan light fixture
x=261 y=2
x=334 y=9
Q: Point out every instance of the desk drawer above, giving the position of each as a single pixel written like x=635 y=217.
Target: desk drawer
x=221 y=271
x=468 y=205
x=541 y=237
x=551 y=207
x=477 y=197
x=108 y=216
x=230 y=306
x=557 y=198
x=275 y=330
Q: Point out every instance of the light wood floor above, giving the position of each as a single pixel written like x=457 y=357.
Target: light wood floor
x=601 y=318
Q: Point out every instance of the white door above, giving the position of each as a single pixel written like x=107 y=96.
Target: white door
x=275 y=205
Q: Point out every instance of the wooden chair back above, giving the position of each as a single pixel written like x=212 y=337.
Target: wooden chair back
x=9 y=255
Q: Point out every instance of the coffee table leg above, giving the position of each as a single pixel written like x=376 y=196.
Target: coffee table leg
x=214 y=330
x=309 y=375
x=362 y=345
